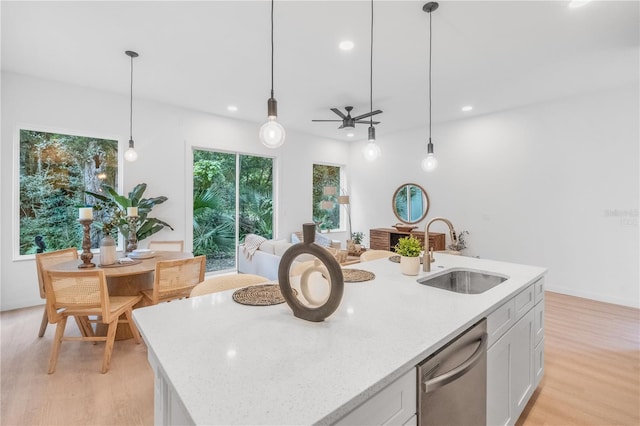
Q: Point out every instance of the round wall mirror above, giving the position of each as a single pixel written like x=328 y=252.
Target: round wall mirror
x=410 y=203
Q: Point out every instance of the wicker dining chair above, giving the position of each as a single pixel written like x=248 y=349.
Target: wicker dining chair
x=376 y=254
x=85 y=293
x=177 y=245
x=227 y=282
x=174 y=279
x=45 y=261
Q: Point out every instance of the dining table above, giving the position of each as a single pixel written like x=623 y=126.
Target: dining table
x=125 y=278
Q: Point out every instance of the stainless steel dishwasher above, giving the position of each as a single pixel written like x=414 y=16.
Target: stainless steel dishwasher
x=452 y=382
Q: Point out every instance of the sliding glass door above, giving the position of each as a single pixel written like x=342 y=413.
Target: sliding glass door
x=232 y=197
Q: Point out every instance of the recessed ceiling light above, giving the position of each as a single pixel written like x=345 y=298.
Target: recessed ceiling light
x=578 y=3
x=232 y=108
x=350 y=134
x=346 y=45
x=467 y=108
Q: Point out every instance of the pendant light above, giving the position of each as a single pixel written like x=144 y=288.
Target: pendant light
x=371 y=150
x=131 y=154
x=272 y=133
x=430 y=162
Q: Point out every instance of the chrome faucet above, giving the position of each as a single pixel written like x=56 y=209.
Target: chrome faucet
x=428 y=252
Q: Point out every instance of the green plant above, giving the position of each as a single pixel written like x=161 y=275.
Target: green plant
x=357 y=237
x=116 y=207
x=409 y=246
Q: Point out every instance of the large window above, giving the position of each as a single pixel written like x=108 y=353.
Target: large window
x=54 y=171
x=232 y=197
x=328 y=185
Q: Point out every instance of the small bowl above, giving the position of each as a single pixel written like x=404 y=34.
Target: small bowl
x=404 y=228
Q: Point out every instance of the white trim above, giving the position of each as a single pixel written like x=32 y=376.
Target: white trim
x=15 y=181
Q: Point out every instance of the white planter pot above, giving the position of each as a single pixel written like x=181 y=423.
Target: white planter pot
x=410 y=265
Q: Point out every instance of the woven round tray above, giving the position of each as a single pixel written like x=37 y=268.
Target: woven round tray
x=357 y=275
x=396 y=259
x=260 y=295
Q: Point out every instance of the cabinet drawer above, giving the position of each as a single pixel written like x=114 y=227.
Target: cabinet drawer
x=539 y=289
x=500 y=320
x=524 y=301
x=393 y=405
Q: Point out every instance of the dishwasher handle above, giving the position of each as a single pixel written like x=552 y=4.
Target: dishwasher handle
x=454 y=374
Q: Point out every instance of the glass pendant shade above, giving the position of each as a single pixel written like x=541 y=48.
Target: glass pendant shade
x=272 y=134
x=430 y=163
x=131 y=154
x=371 y=151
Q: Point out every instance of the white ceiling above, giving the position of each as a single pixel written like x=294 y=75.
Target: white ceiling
x=205 y=55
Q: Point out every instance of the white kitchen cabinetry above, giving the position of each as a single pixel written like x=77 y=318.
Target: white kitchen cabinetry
x=393 y=405
x=515 y=355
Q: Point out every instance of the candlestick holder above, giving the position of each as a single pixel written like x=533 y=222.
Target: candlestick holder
x=86 y=255
x=132 y=241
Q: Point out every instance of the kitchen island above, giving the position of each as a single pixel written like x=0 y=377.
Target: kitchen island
x=219 y=362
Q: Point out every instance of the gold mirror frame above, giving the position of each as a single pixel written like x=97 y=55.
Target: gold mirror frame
x=425 y=202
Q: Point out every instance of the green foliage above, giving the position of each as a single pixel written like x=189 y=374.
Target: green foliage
x=214 y=201
x=115 y=207
x=55 y=169
x=357 y=237
x=324 y=175
x=409 y=246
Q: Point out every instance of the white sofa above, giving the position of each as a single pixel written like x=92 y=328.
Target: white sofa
x=266 y=259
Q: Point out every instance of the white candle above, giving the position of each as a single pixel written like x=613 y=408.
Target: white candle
x=86 y=213
x=132 y=211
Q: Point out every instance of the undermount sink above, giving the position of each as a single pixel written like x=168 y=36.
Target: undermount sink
x=463 y=281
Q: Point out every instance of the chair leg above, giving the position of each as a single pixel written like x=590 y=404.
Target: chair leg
x=111 y=336
x=132 y=326
x=43 y=324
x=57 y=341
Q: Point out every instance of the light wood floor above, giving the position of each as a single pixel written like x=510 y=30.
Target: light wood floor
x=592 y=375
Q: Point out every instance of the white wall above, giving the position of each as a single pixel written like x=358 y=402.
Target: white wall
x=163 y=135
x=534 y=185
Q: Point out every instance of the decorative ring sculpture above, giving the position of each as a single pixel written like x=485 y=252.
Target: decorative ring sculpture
x=317 y=310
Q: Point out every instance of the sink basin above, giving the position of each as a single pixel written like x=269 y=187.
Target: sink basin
x=463 y=281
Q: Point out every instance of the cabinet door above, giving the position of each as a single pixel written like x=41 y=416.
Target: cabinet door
x=378 y=239
x=510 y=372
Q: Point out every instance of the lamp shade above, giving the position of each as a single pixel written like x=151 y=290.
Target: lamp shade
x=329 y=190
x=343 y=199
x=326 y=205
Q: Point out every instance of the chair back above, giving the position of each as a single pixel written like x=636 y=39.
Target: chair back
x=46 y=260
x=167 y=245
x=375 y=254
x=174 y=277
x=227 y=282
x=77 y=292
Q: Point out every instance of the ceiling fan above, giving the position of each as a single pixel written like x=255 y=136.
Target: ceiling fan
x=350 y=122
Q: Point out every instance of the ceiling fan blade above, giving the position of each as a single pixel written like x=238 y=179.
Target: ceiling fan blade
x=341 y=127
x=326 y=120
x=340 y=114
x=369 y=114
x=367 y=122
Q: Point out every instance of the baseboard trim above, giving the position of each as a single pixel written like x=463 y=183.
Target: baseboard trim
x=595 y=296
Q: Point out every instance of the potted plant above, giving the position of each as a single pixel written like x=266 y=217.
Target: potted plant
x=115 y=206
x=356 y=238
x=409 y=249
x=459 y=244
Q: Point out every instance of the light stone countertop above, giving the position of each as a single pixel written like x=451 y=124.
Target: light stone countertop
x=235 y=364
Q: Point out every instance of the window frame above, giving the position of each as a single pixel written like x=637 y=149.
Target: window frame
x=15 y=184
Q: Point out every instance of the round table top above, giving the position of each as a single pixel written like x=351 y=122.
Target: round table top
x=145 y=266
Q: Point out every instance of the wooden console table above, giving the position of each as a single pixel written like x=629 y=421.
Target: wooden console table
x=387 y=238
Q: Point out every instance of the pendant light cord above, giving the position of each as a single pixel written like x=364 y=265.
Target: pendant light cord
x=371 y=70
x=430 y=25
x=272 y=48
x=131 y=104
